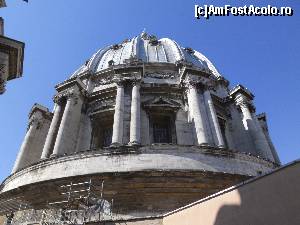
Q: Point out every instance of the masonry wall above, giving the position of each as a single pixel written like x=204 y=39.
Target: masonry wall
x=150 y=221
x=271 y=199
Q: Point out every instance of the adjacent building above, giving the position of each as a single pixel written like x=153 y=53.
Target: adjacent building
x=11 y=56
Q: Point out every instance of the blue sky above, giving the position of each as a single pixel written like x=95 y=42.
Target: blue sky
x=262 y=53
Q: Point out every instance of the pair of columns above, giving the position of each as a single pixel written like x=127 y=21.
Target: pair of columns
x=252 y=125
x=64 y=127
x=62 y=135
x=198 y=110
x=117 y=136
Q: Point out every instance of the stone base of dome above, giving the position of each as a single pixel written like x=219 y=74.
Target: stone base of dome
x=134 y=194
x=143 y=181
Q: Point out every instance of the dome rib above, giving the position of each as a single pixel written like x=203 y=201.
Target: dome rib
x=209 y=64
x=165 y=50
x=171 y=50
x=97 y=57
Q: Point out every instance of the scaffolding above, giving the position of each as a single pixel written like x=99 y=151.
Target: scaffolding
x=7 y=206
x=79 y=203
x=82 y=202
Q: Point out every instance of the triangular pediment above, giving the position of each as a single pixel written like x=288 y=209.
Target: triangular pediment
x=162 y=102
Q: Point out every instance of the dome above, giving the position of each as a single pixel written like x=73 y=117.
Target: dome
x=148 y=49
x=154 y=122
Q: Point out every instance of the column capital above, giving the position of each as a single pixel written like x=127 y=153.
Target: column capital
x=67 y=94
x=58 y=99
x=192 y=84
x=199 y=83
x=242 y=97
x=240 y=90
x=35 y=120
x=38 y=114
x=136 y=82
x=246 y=104
x=208 y=88
x=119 y=82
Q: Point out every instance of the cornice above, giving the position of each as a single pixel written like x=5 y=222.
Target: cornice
x=43 y=110
x=241 y=90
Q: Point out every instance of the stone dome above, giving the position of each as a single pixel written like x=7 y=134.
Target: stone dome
x=148 y=49
x=155 y=121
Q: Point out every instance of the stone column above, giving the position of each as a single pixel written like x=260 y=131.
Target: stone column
x=25 y=147
x=117 y=136
x=52 y=131
x=135 y=126
x=213 y=120
x=67 y=135
x=256 y=133
x=194 y=105
x=263 y=139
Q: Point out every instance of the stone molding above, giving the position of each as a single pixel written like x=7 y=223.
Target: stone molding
x=160 y=75
x=243 y=101
x=162 y=104
x=103 y=80
x=101 y=105
x=133 y=61
x=241 y=90
x=74 y=92
x=136 y=82
x=38 y=114
x=211 y=151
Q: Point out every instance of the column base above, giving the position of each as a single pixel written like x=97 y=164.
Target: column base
x=204 y=145
x=222 y=147
x=115 y=145
x=53 y=156
x=44 y=159
x=134 y=143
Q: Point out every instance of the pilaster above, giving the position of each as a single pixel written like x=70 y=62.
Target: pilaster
x=213 y=119
x=243 y=98
x=31 y=148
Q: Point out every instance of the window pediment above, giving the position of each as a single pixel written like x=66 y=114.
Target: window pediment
x=162 y=103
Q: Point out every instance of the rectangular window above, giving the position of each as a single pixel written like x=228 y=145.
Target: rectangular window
x=162 y=129
x=102 y=132
x=107 y=136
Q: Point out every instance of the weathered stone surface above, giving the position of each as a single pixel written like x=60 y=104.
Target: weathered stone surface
x=11 y=58
x=158 y=125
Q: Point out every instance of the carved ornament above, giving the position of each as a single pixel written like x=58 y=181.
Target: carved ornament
x=103 y=80
x=161 y=75
x=67 y=94
x=101 y=105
